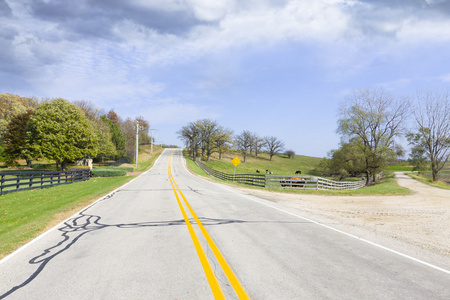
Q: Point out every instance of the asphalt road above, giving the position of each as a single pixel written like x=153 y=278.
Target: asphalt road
x=136 y=244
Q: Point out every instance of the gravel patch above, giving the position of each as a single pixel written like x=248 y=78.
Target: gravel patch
x=417 y=225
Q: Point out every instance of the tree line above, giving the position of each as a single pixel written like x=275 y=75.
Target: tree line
x=61 y=131
x=206 y=136
x=371 y=119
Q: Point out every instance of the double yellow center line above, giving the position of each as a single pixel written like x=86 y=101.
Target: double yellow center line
x=212 y=279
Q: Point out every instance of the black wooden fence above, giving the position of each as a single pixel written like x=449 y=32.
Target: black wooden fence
x=20 y=181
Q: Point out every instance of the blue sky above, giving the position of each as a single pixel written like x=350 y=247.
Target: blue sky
x=276 y=68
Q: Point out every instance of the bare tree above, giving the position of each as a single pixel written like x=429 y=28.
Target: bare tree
x=244 y=143
x=273 y=145
x=372 y=118
x=258 y=144
x=432 y=116
x=190 y=135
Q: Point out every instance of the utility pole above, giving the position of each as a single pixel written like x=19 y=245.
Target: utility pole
x=151 y=140
x=137 y=141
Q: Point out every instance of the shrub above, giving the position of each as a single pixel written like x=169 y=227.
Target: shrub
x=77 y=168
x=100 y=172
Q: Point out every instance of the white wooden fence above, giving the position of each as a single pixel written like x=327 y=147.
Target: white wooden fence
x=310 y=183
x=286 y=182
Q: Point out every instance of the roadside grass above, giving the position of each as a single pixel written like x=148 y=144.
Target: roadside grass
x=429 y=181
x=400 y=168
x=280 y=164
x=387 y=186
x=146 y=160
x=25 y=215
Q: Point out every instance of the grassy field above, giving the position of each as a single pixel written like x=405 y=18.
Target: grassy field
x=400 y=168
x=429 y=181
x=24 y=215
x=281 y=165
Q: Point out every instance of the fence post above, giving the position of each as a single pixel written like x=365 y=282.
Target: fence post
x=2 y=183
x=18 y=182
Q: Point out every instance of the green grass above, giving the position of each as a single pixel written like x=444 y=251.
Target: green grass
x=281 y=165
x=400 y=168
x=148 y=159
x=429 y=181
x=24 y=215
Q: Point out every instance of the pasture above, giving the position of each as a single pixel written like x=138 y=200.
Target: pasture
x=280 y=164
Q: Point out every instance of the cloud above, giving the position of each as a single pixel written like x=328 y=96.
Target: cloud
x=5 y=10
x=84 y=41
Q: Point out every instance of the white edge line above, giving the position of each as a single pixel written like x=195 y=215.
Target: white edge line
x=58 y=225
x=323 y=225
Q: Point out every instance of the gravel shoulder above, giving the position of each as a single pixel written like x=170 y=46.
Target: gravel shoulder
x=417 y=225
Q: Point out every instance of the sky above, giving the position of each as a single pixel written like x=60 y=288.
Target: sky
x=275 y=68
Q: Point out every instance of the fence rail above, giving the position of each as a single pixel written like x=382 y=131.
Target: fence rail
x=279 y=181
x=21 y=181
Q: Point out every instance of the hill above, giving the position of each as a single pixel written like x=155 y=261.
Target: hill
x=280 y=164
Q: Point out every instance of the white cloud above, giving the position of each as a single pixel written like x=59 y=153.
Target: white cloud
x=446 y=77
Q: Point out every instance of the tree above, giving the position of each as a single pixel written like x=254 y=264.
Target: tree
x=258 y=144
x=117 y=138
x=191 y=136
x=223 y=141
x=128 y=128
x=273 y=145
x=418 y=158
x=290 y=153
x=207 y=135
x=244 y=142
x=106 y=148
x=11 y=105
x=347 y=161
x=15 y=138
x=208 y=131
x=432 y=135
x=58 y=130
x=113 y=117
x=372 y=118
x=144 y=128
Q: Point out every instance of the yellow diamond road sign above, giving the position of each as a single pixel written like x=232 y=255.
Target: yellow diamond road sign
x=235 y=161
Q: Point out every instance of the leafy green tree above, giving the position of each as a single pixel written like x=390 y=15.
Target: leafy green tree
x=117 y=138
x=418 y=158
x=223 y=140
x=58 y=130
x=347 y=161
x=372 y=119
x=106 y=148
x=11 y=105
x=15 y=139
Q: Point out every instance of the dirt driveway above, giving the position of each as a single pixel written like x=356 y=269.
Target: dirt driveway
x=416 y=224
